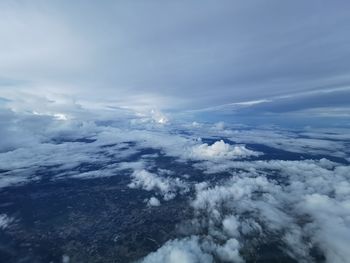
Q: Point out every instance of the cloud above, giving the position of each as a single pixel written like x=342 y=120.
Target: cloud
x=255 y=204
x=230 y=226
x=167 y=187
x=219 y=56
x=220 y=150
x=330 y=229
x=153 y=201
x=180 y=251
x=324 y=141
x=301 y=205
x=195 y=250
x=229 y=252
x=5 y=221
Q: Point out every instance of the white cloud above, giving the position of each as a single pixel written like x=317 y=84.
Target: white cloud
x=5 y=221
x=330 y=229
x=153 y=201
x=274 y=194
x=186 y=250
x=220 y=150
x=315 y=189
x=167 y=187
x=9 y=179
x=230 y=226
x=229 y=252
x=65 y=259
x=316 y=141
x=195 y=249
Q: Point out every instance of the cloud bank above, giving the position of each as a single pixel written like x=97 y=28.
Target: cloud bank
x=155 y=56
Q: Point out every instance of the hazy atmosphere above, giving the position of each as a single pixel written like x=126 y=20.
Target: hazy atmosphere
x=175 y=131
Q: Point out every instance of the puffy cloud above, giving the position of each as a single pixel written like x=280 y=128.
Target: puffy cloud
x=303 y=204
x=33 y=140
x=195 y=249
x=220 y=150
x=256 y=203
x=230 y=226
x=153 y=201
x=229 y=252
x=331 y=141
x=186 y=250
x=65 y=259
x=330 y=229
x=167 y=187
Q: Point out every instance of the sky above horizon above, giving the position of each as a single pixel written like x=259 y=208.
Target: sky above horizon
x=234 y=116
x=245 y=58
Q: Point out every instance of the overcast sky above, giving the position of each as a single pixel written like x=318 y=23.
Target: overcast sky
x=179 y=55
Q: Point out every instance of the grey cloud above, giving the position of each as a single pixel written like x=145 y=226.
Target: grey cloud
x=173 y=51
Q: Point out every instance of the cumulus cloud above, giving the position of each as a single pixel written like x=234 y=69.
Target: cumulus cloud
x=220 y=150
x=302 y=204
x=153 y=201
x=230 y=226
x=180 y=251
x=229 y=252
x=195 y=249
x=331 y=141
x=330 y=229
x=313 y=189
x=167 y=187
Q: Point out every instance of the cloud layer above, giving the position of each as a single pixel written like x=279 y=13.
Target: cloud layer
x=160 y=55
x=304 y=207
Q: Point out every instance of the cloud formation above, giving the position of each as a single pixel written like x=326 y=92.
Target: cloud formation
x=254 y=203
x=242 y=194
x=167 y=187
x=220 y=150
x=130 y=89
x=160 y=55
x=5 y=221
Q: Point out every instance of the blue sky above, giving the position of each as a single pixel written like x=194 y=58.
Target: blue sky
x=280 y=59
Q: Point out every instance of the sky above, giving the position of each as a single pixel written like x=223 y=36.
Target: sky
x=102 y=82
x=253 y=60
